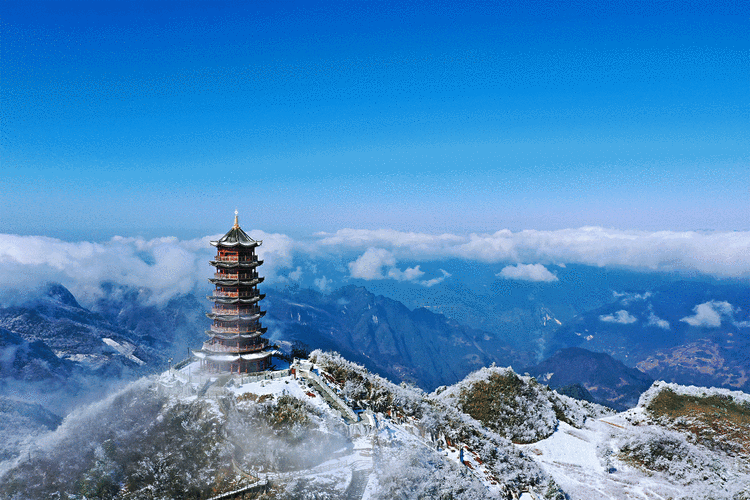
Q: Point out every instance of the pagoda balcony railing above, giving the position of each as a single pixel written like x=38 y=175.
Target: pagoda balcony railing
x=235 y=310
x=236 y=276
x=233 y=259
x=226 y=348
x=243 y=295
x=235 y=329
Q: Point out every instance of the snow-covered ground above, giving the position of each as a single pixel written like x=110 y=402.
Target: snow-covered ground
x=582 y=462
x=347 y=472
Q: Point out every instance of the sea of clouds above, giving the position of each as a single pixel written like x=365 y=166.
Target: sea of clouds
x=169 y=266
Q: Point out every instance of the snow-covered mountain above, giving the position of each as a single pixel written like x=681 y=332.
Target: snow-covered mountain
x=332 y=430
x=685 y=332
x=54 y=320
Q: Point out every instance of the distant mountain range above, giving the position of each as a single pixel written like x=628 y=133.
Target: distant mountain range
x=688 y=332
x=53 y=331
x=56 y=354
x=416 y=346
x=603 y=378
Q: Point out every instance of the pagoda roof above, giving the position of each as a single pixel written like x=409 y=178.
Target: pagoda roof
x=230 y=282
x=236 y=237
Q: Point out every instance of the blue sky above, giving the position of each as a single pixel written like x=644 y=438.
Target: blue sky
x=159 y=118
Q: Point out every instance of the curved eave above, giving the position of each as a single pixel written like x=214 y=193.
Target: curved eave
x=223 y=264
x=235 y=300
x=225 y=282
x=232 y=244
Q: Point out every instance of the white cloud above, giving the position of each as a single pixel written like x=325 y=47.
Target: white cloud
x=621 y=317
x=295 y=275
x=165 y=266
x=168 y=266
x=709 y=314
x=626 y=298
x=370 y=264
x=654 y=320
x=413 y=243
x=276 y=251
x=410 y=274
x=725 y=254
x=527 y=272
x=435 y=281
x=323 y=284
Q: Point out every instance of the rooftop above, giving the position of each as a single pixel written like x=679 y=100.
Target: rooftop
x=236 y=237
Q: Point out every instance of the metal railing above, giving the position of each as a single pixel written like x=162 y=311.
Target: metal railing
x=220 y=293
x=229 y=329
x=226 y=258
x=235 y=310
x=235 y=276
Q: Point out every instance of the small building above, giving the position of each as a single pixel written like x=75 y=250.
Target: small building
x=235 y=341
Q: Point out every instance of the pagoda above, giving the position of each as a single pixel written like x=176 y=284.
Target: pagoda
x=235 y=343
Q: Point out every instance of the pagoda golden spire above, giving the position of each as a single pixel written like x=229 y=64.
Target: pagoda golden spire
x=236 y=222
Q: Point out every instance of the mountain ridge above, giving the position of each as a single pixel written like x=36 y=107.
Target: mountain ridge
x=278 y=438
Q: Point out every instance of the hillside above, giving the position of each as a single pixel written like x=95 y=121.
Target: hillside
x=495 y=434
x=165 y=438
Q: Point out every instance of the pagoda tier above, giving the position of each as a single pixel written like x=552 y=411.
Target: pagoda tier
x=246 y=330
x=225 y=263
x=235 y=343
x=218 y=299
x=231 y=336
x=230 y=280
x=238 y=345
x=233 y=318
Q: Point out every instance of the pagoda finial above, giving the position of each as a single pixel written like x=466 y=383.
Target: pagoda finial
x=236 y=223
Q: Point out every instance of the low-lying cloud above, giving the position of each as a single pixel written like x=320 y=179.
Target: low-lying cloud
x=626 y=298
x=621 y=317
x=369 y=266
x=654 y=320
x=721 y=254
x=168 y=266
x=323 y=284
x=435 y=281
x=527 y=272
x=710 y=314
